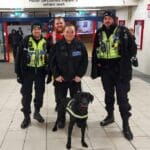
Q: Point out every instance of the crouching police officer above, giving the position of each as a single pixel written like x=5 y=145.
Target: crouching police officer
x=68 y=66
x=111 y=59
x=30 y=68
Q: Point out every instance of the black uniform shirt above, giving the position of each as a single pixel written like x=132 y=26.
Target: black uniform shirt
x=69 y=60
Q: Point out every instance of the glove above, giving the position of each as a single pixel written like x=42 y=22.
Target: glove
x=19 y=79
x=49 y=79
x=134 y=61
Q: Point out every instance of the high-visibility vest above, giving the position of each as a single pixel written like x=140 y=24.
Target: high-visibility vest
x=108 y=47
x=37 y=53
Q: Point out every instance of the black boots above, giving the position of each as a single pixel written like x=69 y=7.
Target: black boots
x=127 y=133
x=56 y=107
x=26 y=122
x=126 y=129
x=38 y=116
x=108 y=120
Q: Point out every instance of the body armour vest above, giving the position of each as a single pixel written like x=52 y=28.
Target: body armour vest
x=37 y=53
x=108 y=47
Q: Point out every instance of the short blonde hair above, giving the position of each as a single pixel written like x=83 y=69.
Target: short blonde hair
x=59 y=18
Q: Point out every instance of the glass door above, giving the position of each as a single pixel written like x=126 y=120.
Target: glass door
x=2 y=44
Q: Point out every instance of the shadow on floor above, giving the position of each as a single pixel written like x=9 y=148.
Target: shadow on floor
x=7 y=70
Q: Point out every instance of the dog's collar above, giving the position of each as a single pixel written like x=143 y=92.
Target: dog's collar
x=69 y=109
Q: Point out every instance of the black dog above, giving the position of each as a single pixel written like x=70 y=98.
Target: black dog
x=78 y=110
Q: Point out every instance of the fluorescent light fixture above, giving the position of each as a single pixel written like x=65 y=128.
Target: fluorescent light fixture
x=18 y=9
x=87 y=9
x=12 y=15
x=24 y=15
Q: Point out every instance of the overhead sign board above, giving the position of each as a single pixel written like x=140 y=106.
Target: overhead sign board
x=62 y=3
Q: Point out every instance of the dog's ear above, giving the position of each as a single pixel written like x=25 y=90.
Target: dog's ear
x=91 y=97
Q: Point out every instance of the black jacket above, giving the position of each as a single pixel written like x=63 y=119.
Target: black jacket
x=14 y=38
x=127 y=49
x=69 y=60
x=21 y=58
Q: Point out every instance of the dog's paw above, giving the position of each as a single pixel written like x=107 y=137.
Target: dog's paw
x=68 y=146
x=84 y=144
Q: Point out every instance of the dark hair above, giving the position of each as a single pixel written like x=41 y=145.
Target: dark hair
x=70 y=25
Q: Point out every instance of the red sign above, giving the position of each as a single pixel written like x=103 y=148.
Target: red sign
x=148 y=6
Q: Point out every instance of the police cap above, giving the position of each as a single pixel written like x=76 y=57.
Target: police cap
x=36 y=25
x=109 y=13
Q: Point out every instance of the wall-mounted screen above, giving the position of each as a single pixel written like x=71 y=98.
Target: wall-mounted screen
x=84 y=27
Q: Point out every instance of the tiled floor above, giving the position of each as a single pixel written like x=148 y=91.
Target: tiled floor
x=40 y=136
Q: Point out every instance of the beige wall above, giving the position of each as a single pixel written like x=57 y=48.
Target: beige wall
x=140 y=13
x=143 y=55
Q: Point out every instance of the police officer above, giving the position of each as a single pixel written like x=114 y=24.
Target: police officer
x=55 y=36
x=30 y=68
x=113 y=49
x=69 y=65
x=57 y=33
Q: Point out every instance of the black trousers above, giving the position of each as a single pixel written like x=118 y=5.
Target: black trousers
x=111 y=84
x=61 y=95
x=30 y=77
x=14 y=49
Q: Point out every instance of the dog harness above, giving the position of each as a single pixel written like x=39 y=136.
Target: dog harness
x=71 y=112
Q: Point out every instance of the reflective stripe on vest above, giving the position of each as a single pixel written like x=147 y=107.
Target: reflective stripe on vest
x=109 y=47
x=70 y=111
x=37 y=53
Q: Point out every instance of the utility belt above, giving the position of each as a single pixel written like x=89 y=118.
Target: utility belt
x=34 y=70
x=110 y=64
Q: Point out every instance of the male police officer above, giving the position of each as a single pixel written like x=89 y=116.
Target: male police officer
x=30 y=68
x=113 y=49
x=57 y=33
x=53 y=37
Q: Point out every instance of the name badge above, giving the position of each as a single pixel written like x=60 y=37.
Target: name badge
x=76 y=53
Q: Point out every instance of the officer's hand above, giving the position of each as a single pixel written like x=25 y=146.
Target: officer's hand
x=99 y=65
x=49 y=79
x=77 y=79
x=19 y=80
x=134 y=61
x=59 y=79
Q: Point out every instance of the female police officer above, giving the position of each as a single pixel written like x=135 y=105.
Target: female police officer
x=69 y=64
